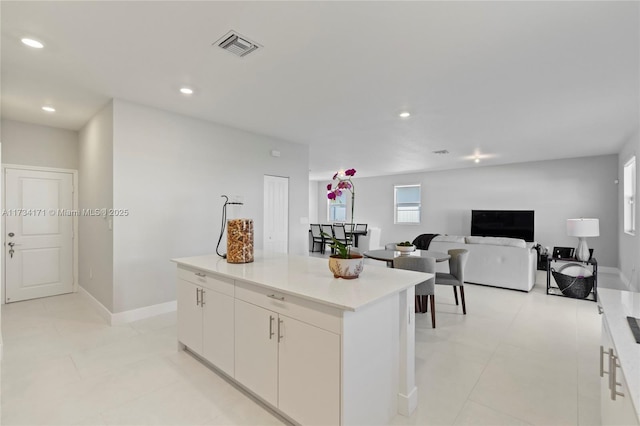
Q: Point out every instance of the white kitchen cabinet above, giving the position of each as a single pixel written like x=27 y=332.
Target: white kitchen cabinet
x=189 y=315
x=256 y=351
x=205 y=317
x=290 y=364
x=308 y=373
x=616 y=407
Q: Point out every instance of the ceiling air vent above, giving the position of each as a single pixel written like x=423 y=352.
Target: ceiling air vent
x=237 y=44
x=441 y=152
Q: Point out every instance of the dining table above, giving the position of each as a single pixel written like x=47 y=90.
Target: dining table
x=389 y=255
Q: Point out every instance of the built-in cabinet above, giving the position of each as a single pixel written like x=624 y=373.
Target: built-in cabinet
x=298 y=369
x=205 y=317
x=288 y=362
x=616 y=407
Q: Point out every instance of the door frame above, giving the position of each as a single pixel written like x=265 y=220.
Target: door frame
x=74 y=173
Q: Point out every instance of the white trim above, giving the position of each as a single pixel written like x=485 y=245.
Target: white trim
x=74 y=174
x=609 y=270
x=142 y=313
x=95 y=303
x=127 y=316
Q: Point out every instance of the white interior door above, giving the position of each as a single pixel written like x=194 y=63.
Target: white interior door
x=276 y=214
x=39 y=233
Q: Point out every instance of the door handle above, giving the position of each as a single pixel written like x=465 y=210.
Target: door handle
x=602 y=352
x=271 y=333
x=11 y=244
x=280 y=336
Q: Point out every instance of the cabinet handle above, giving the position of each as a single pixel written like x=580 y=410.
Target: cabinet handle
x=271 y=333
x=602 y=352
x=202 y=297
x=197 y=297
x=280 y=336
x=200 y=274
x=273 y=296
x=613 y=382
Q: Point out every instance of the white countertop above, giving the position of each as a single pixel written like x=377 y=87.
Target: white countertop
x=310 y=278
x=617 y=306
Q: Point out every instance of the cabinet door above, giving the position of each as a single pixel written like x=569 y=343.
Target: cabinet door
x=218 y=330
x=256 y=350
x=189 y=316
x=309 y=373
x=620 y=411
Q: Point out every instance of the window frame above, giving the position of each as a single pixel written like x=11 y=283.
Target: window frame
x=395 y=204
x=629 y=196
x=335 y=203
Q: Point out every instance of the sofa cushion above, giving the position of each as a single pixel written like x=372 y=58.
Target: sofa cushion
x=449 y=239
x=497 y=241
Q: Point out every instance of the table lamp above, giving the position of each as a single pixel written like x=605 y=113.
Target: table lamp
x=583 y=228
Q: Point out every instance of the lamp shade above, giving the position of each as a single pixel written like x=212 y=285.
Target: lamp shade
x=583 y=227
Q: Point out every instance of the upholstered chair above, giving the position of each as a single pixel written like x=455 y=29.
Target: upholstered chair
x=390 y=246
x=455 y=277
x=425 y=291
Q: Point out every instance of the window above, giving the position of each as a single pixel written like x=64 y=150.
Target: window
x=338 y=209
x=629 y=182
x=407 y=203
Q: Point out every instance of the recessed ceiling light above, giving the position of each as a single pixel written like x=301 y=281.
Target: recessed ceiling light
x=405 y=114
x=32 y=43
x=48 y=109
x=186 y=91
x=477 y=160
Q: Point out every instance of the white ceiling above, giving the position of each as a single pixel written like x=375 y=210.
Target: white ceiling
x=508 y=81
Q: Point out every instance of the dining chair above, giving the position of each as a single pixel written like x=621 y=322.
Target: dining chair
x=455 y=277
x=361 y=227
x=340 y=234
x=349 y=227
x=390 y=246
x=326 y=229
x=317 y=238
x=425 y=291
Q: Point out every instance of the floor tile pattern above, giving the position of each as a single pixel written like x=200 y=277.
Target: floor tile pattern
x=515 y=359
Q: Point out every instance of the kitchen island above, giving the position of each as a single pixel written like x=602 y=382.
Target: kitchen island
x=316 y=349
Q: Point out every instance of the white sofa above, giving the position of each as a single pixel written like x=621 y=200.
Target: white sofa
x=499 y=262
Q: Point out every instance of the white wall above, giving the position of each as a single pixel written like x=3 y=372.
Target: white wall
x=629 y=245
x=170 y=172
x=35 y=145
x=95 y=182
x=313 y=203
x=556 y=190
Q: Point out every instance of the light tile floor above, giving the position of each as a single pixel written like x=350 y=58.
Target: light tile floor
x=515 y=358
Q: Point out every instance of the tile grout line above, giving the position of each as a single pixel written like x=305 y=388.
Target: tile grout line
x=469 y=399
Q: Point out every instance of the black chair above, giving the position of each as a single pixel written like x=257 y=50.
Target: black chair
x=361 y=227
x=326 y=229
x=340 y=234
x=316 y=234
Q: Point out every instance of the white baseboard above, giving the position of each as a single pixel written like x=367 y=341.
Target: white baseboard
x=609 y=270
x=127 y=316
x=142 y=313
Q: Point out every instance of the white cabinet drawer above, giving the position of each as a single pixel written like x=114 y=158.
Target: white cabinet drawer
x=206 y=280
x=304 y=310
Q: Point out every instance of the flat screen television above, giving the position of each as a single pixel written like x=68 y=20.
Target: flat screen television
x=502 y=223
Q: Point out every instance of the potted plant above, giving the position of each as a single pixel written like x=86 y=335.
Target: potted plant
x=343 y=263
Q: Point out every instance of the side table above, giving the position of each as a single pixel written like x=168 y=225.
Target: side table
x=554 y=290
